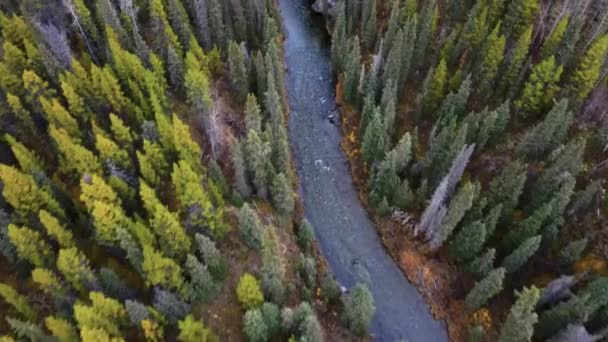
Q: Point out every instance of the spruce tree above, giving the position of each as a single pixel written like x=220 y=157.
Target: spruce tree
x=241 y=183
x=520 y=322
x=553 y=40
x=483 y=264
x=432 y=98
x=425 y=33
x=238 y=72
x=485 y=289
x=250 y=227
x=520 y=256
x=555 y=318
x=459 y=205
x=506 y=188
x=18 y=301
x=541 y=88
x=75 y=268
x=258 y=163
x=282 y=194
x=352 y=67
x=520 y=14
x=374 y=139
x=56 y=230
x=469 y=241
x=370 y=29
x=160 y=270
x=30 y=245
x=493 y=54
x=588 y=71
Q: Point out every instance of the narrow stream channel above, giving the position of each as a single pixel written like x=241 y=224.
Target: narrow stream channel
x=346 y=235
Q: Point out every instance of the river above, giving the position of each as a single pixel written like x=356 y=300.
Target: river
x=346 y=235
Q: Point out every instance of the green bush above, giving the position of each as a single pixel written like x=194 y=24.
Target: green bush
x=358 y=309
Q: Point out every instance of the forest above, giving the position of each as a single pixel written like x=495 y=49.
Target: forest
x=150 y=190
x=477 y=130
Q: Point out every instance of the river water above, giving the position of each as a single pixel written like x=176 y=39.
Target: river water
x=345 y=233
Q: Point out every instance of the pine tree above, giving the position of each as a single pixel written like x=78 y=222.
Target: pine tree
x=282 y=194
x=240 y=169
x=175 y=69
x=425 y=33
x=160 y=270
x=253 y=119
x=192 y=197
x=26 y=330
x=254 y=326
x=547 y=134
x=541 y=88
x=520 y=256
x=30 y=245
x=454 y=105
x=60 y=328
x=485 y=289
x=459 y=205
x=18 y=301
x=483 y=264
x=359 y=309
x=352 y=67
x=257 y=157
x=552 y=320
x=152 y=164
x=56 y=230
x=22 y=114
x=506 y=188
x=520 y=14
x=187 y=149
x=29 y=161
x=176 y=13
x=201 y=285
x=238 y=72
x=553 y=40
x=514 y=64
x=493 y=54
x=520 y=322
x=370 y=27
x=588 y=71
x=529 y=227
x=392 y=28
x=192 y=330
x=250 y=227
x=469 y=241
x=75 y=268
x=430 y=100
x=110 y=152
x=103 y=313
x=197 y=87
x=374 y=139
x=74 y=158
x=59 y=116
x=248 y=292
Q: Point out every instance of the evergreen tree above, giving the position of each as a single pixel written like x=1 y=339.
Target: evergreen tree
x=572 y=252
x=19 y=302
x=374 y=139
x=520 y=256
x=248 y=292
x=541 y=88
x=176 y=13
x=459 y=205
x=493 y=54
x=250 y=227
x=30 y=246
x=24 y=195
x=75 y=268
x=588 y=71
x=238 y=72
x=483 y=264
x=529 y=227
x=359 y=309
x=431 y=99
x=26 y=330
x=469 y=241
x=520 y=14
x=240 y=169
x=201 y=285
x=506 y=188
x=56 y=230
x=253 y=119
x=257 y=157
x=520 y=322
x=547 y=134
x=192 y=330
x=555 y=318
x=282 y=194
x=170 y=306
x=74 y=158
x=175 y=69
x=370 y=27
x=254 y=326
x=485 y=289
x=352 y=67
x=160 y=270
x=553 y=40
x=60 y=328
x=425 y=32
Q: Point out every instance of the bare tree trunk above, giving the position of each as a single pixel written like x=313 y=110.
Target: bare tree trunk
x=69 y=4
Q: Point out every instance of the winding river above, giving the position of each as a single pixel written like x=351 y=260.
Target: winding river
x=344 y=230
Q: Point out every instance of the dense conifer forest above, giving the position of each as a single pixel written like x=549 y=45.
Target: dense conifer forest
x=148 y=188
x=146 y=178
x=478 y=132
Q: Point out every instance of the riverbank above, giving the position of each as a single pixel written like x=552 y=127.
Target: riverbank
x=346 y=235
x=435 y=278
